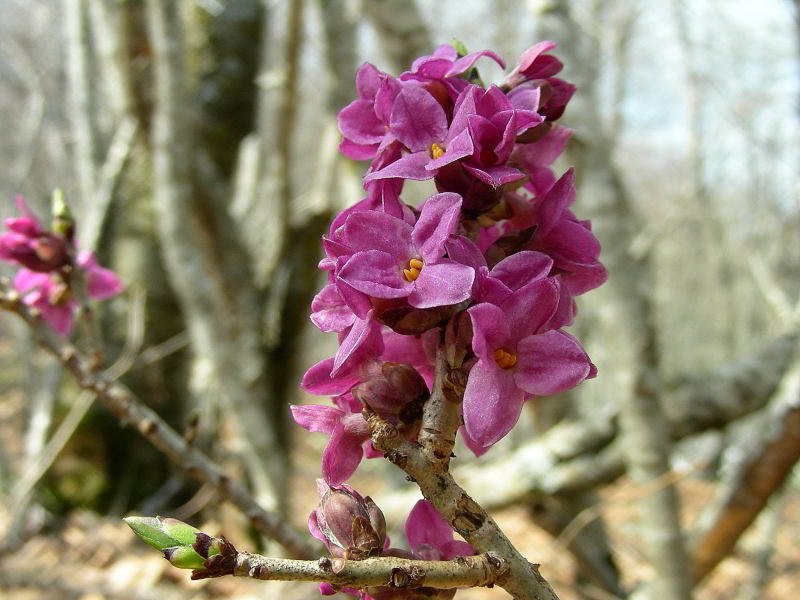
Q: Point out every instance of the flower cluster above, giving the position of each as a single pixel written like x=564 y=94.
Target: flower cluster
x=488 y=265
x=48 y=270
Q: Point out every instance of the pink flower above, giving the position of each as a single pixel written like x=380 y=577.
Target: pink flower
x=395 y=260
x=27 y=244
x=50 y=295
x=518 y=357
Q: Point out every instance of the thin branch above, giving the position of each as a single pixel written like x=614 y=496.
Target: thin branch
x=522 y=580
x=108 y=180
x=130 y=410
x=761 y=474
x=396 y=573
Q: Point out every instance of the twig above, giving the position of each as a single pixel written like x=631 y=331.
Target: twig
x=122 y=403
x=108 y=179
x=441 y=416
x=81 y=406
x=398 y=573
x=761 y=474
x=522 y=580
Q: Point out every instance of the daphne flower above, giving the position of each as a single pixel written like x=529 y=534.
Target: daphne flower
x=395 y=260
x=518 y=358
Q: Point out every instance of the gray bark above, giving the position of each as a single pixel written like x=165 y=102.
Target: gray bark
x=402 y=32
x=219 y=308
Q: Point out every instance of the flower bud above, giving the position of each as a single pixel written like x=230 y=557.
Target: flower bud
x=184 y=557
x=63 y=222
x=350 y=526
x=391 y=388
x=184 y=546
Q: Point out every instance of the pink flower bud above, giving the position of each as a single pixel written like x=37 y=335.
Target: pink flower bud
x=350 y=526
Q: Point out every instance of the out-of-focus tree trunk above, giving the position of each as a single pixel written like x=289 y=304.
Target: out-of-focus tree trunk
x=644 y=435
x=220 y=308
x=402 y=32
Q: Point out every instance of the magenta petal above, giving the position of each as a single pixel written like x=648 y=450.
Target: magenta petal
x=314 y=528
x=329 y=311
x=490 y=330
x=464 y=63
x=102 y=283
x=317 y=380
x=326 y=589
x=316 y=418
x=411 y=166
x=492 y=402
x=372 y=230
x=550 y=363
x=545 y=151
x=495 y=176
x=364 y=339
x=376 y=274
x=426 y=526
x=558 y=198
x=454 y=548
x=25 y=280
x=357 y=151
x=464 y=108
x=368 y=79
x=418 y=120
x=342 y=455
x=474 y=446
x=522 y=268
x=463 y=250
x=442 y=284
x=438 y=219
x=359 y=123
x=529 y=309
x=459 y=147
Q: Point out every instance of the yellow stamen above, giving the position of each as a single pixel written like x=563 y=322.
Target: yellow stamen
x=436 y=151
x=504 y=358
x=413 y=270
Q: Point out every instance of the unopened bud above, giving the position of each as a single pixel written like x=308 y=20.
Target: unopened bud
x=184 y=546
x=184 y=557
x=391 y=388
x=353 y=527
x=63 y=222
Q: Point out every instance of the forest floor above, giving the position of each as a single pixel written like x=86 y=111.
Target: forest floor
x=88 y=557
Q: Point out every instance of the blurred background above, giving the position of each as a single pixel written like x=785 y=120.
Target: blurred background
x=199 y=154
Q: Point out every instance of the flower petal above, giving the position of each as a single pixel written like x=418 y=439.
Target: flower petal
x=490 y=330
x=376 y=274
x=492 y=402
x=438 y=219
x=425 y=525
x=550 y=363
x=418 y=120
x=372 y=230
x=409 y=166
x=341 y=456
x=442 y=284
x=315 y=417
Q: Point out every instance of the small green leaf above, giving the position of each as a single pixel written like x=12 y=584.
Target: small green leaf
x=461 y=48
